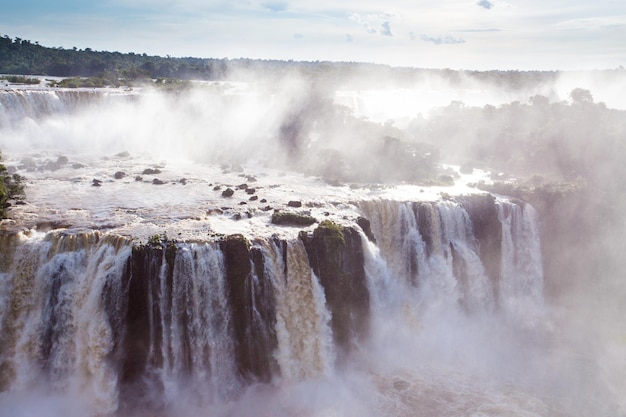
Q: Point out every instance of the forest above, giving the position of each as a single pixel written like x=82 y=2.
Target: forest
x=25 y=57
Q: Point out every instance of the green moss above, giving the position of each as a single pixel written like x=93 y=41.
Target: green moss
x=331 y=234
x=170 y=253
x=11 y=188
x=18 y=79
x=236 y=238
x=287 y=218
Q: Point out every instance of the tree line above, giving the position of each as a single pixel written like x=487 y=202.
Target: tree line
x=24 y=57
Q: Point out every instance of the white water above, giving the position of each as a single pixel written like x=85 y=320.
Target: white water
x=436 y=346
x=305 y=347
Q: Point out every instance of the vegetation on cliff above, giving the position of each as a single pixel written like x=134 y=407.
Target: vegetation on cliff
x=11 y=188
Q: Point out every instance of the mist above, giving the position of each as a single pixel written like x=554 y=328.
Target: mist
x=556 y=143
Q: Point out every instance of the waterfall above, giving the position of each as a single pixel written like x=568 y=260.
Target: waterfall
x=302 y=319
x=130 y=327
x=521 y=268
x=195 y=324
x=55 y=327
x=432 y=246
x=35 y=104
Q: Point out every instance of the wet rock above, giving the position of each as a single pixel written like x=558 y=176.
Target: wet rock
x=96 y=183
x=157 y=181
x=28 y=164
x=263 y=200
x=250 y=178
x=217 y=188
x=254 y=198
x=296 y=204
x=483 y=213
x=151 y=171
x=182 y=181
x=367 y=229
x=119 y=175
x=288 y=218
x=250 y=191
x=138 y=178
x=253 y=329
x=242 y=186
x=336 y=256
x=56 y=165
x=242 y=203
x=228 y=192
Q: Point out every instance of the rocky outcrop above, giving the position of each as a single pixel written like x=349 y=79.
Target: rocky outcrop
x=487 y=230
x=255 y=338
x=336 y=257
x=144 y=332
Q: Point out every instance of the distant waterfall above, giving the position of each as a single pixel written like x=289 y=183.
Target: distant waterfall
x=16 y=105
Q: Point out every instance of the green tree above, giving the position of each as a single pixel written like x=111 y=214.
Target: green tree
x=581 y=96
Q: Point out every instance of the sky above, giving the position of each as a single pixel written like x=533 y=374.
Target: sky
x=456 y=34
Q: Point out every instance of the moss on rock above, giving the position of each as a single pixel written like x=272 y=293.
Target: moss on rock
x=336 y=256
x=289 y=218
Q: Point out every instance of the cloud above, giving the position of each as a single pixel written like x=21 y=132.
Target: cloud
x=386 y=29
x=298 y=36
x=442 y=40
x=371 y=22
x=412 y=35
x=356 y=17
x=479 y=30
x=275 y=6
x=349 y=38
x=485 y=4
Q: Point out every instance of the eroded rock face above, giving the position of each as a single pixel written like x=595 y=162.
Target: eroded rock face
x=336 y=256
x=255 y=337
x=144 y=333
x=487 y=230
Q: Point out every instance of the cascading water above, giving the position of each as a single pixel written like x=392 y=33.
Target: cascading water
x=57 y=329
x=302 y=320
x=34 y=104
x=123 y=325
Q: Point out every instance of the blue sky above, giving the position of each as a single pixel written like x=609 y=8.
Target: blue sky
x=458 y=34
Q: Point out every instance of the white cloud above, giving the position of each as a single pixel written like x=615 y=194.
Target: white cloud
x=485 y=4
x=442 y=40
x=386 y=29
